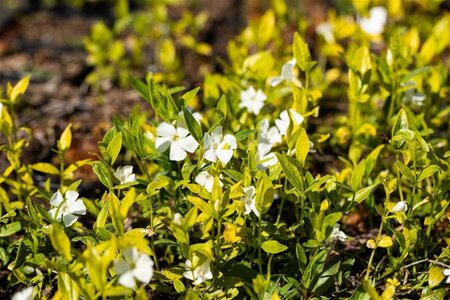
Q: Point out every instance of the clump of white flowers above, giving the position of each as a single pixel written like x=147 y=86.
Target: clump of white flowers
x=326 y=30
x=218 y=147
x=206 y=180
x=284 y=120
x=25 y=294
x=253 y=100
x=198 y=273
x=125 y=174
x=287 y=74
x=337 y=234
x=134 y=266
x=446 y=272
x=374 y=24
x=401 y=206
x=67 y=208
x=249 y=200
x=176 y=138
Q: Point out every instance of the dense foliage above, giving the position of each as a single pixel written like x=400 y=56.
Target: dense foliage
x=312 y=170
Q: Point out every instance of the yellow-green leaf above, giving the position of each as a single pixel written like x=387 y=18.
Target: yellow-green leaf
x=435 y=277
x=66 y=139
x=19 y=88
x=273 y=247
x=60 y=241
x=301 y=53
x=385 y=242
x=45 y=168
x=202 y=205
x=114 y=147
x=302 y=146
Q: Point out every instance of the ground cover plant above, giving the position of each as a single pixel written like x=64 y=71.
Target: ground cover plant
x=313 y=165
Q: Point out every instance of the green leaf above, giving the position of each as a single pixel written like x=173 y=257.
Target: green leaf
x=222 y=106
x=301 y=53
x=21 y=255
x=239 y=270
x=302 y=147
x=179 y=286
x=290 y=170
x=428 y=171
x=357 y=175
x=243 y=134
x=202 y=205
x=140 y=87
x=363 y=193
x=102 y=173
x=371 y=159
x=10 y=229
x=60 y=241
x=114 y=147
x=192 y=125
x=65 y=139
x=273 y=247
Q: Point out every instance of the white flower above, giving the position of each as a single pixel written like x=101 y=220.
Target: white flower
x=446 y=272
x=337 y=234
x=198 y=274
x=287 y=74
x=284 y=120
x=25 y=294
x=178 y=219
x=206 y=180
x=249 y=200
x=1 y=109
x=326 y=30
x=264 y=157
x=218 y=148
x=253 y=100
x=399 y=207
x=67 y=208
x=268 y=135
x=178 y=139
x=374 y=25
x=134 y=266
x=125 y=174
x=198 y=117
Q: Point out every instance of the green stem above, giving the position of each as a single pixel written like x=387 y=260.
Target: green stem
x=372 y=255
x=259 y=243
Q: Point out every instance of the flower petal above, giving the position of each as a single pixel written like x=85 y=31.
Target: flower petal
x=224 y=155
x=166 y=130
x=189 y=144
x=127 y=280
x=176 y=152
x=78 y=208
x=69 y=219
x=56 y=199
x=274 y=81
x=162 y=143
x=230 y=140
x=144 y=269
x=210 y=155
x=71 y=197
x=121 y=267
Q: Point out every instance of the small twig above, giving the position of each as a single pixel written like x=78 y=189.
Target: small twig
x=427 y=260
x=415 y=263
x=440 y=264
